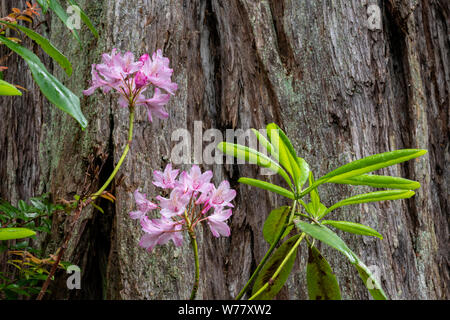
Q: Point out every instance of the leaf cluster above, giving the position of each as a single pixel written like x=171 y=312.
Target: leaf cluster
x=307 y=218
x=21 y=223
x=50 y=86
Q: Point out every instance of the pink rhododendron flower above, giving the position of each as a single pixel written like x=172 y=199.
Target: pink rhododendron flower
x=191 y=199
x=220 y=197
x=175 y=205
x=165 y=179
x=217 y=223
x=155 y=104
x=160 y=231
x=131 y=78
x=199 y=181
x=144 y=206
x=156 y=70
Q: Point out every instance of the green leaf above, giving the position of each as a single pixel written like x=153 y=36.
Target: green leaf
x=377 y=181
x=85 y=19
x=46 y=46
x=266 y=144
x=54 y=90
x=275 y=223
x=15 y=288
x=324 y=234
x=304 y=171
x=44 y=5
x=56 y=7
x=38 y=204
x=23 y=206
x=327 y=236
x=316 y=212
x=353 y=227
x=287 y=155
x=8 y=209
x=370 y=282
x=15 y=233
x=372 y=163
x=252 y=156
x=372 y=197
x=7 y=89
x=315 y=198
x=271 y=266
x=98 y=208
x=268 y=186
x=322 y=283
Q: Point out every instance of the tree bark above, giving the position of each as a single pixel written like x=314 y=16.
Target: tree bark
x=340 y=90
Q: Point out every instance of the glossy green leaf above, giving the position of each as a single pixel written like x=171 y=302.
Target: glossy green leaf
x=252 y=156
x=372 y=197
x=46 y=46
x=266 y=144
x=322 y=283
x=370 y=282
x=324 y=234
x=275 y=222
x=15 y=233
x=287 y=155
x=8 y=209
x=304 y=171
x=56 y=7
x=327 y=236
x=377 y=181
x=7 y=89
x=85 y=19
x=54 y=90
x=353 y=227
x=248 y=154
x=316 y=212
x=315 y=198
x=268 y=186
x=271 y=266
x=372 y=163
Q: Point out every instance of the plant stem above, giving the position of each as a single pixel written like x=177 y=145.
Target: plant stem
x=122 y=158
x=193 y=238
x=84 y=203
x=280 y=267
x=268 y=253
x=197 y=265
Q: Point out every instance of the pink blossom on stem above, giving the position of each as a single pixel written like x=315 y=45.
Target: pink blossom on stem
x=199 y=181
x=189 y=203
x=175 y=205
x=144 y=206
x=220 y=197
x=160 y=231
x=131 y=78
x=155 y=104
x=158 y=72
x=217 y=223
x=166 y=179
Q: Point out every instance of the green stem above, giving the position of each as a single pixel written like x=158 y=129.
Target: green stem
x=122 y=158
x=197 y=266
x=195 y=249
x=268 y=253
x=280 y=267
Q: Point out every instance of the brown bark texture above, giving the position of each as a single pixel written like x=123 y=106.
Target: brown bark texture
x=339 y=88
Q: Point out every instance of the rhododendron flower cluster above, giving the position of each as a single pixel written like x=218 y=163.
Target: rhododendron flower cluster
x=132 y=78
x=192 y=199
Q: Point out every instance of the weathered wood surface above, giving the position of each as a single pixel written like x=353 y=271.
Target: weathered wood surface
x=340 y=90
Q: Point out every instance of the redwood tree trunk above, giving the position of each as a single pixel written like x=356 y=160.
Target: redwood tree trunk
x=341 y=87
